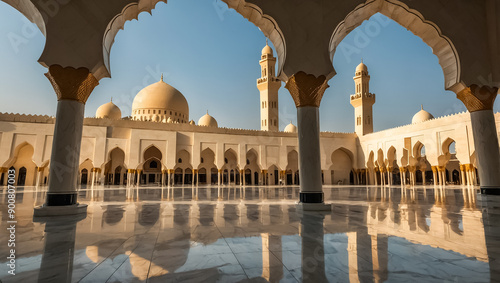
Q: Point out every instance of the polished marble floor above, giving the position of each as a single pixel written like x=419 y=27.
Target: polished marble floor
x=257 y=234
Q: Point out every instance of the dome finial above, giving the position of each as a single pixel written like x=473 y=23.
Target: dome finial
x=361 y=59
x=111 y=99
x=161 y=77
x=266 y=41
x=421 y=107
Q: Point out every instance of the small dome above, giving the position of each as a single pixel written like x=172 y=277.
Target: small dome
x=267 y=50
x=192 y=122
x=421 y=116
x=290 y=128
x=207 y=121
x=109 y=111
x=362 y=67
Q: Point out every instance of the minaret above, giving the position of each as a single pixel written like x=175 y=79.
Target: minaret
x=268 y=86
x=362 y=101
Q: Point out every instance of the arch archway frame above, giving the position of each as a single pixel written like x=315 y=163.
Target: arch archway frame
x=415 y=22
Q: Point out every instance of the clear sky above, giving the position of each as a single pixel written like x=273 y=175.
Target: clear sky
x=211 y=54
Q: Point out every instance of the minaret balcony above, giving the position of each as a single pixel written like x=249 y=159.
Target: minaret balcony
x=265 y=79
x=362 y=95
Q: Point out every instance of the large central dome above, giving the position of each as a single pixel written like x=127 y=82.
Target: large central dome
x=158 y=102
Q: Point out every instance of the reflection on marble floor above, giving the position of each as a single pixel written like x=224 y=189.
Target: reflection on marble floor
x=255 y=234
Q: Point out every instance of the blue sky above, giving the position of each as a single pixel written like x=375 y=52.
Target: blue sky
x=211 y=53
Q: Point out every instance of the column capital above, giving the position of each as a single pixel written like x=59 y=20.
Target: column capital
x=477 y=98
x=4 y=169
x=306 y=89
x=131 y=171
x=70 y=83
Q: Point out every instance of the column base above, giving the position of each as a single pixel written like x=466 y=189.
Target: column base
x=60 y=199
x=490 y=190
x=311 y=197
x=61 y=210
x=313 y=207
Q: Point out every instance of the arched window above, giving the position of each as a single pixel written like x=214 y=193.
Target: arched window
x=201 y=161
x=248 y=162
x=225 y=160
x=153 y=164
x=179 y=160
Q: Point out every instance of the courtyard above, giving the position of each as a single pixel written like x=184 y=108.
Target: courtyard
x=258 y=234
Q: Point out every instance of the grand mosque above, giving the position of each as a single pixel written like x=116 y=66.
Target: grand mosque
x=160 y=144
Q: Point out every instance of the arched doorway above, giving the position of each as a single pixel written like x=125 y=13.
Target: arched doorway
x=341 y=167
x=84 y=176
x=21 y=179
x=202 y=176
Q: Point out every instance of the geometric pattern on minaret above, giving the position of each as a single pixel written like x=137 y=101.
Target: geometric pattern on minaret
x=268 y=86
x=362 y=101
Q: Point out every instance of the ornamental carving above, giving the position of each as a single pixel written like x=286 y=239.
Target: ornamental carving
x=477 y=98
x=306 y=90
x=70 y=83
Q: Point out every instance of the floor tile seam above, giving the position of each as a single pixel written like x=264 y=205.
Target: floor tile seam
x=152 y=253
x=283 y=264
x=128 y=256
x=246 y=274
x=112 y=252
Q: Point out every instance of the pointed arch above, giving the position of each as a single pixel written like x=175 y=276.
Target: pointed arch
x=417 y=149
x=445 y=146
x=412 y=20
x=24 y=146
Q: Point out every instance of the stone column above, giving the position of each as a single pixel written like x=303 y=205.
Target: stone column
x=139 y=171
x=242 y=177
x=479 y=101
x=38 y=173
x=307 y=91
x=434 y=175
x=219 y=177
x=72 y=87
x=462 y=175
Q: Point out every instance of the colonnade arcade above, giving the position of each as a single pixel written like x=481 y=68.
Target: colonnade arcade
x=468 y=54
